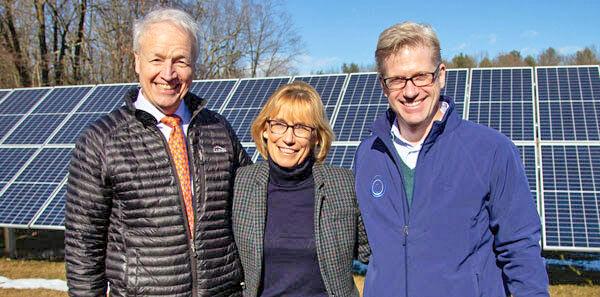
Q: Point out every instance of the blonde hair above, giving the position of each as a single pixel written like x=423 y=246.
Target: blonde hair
x=299 y=102
x=406 y=34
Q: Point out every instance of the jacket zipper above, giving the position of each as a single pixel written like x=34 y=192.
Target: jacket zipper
x=405 y=210
x=191 y=160
x=192 y=248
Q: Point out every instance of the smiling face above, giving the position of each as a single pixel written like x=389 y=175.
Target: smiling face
x=416 y=107
x=165 y=65
x=287 y=150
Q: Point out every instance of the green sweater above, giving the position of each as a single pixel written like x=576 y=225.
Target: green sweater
x=408 y=177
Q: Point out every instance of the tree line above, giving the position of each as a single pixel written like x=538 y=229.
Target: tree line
x=67 y=42
x=548 y=57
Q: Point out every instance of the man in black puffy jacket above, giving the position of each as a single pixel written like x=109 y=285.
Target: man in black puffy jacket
x=149 y=192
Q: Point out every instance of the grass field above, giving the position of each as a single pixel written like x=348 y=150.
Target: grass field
x=14 y=269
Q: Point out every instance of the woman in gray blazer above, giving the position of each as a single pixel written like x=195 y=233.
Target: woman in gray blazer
x=295 y=220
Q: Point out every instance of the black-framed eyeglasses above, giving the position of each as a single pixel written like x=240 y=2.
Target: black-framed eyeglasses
x=423 y=79
x=299 y=130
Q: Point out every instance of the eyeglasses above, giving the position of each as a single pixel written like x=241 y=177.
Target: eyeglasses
x=424 y=79
x=299 y=130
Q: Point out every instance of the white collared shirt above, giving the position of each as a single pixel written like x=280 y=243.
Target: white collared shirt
x=409 y=153
x=182 y=111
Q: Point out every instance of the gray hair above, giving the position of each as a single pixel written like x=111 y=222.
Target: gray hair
x=406 y=34
x=174 y=16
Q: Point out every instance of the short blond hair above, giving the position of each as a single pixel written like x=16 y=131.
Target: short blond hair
x=299 y=102
x=406 y=34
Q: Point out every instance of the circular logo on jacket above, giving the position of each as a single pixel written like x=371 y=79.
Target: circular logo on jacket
x=377 y=186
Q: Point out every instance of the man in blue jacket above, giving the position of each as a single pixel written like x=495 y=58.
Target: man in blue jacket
x=445 y=201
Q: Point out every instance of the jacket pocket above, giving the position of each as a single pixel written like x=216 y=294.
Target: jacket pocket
x=476 y=284
x=131 y=272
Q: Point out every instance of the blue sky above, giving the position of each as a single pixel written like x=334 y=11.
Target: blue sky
x=335 y=32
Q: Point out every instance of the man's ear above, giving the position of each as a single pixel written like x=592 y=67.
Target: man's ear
x=137 y=62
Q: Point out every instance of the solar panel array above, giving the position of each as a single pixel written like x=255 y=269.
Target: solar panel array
x=556 y=132
x=569 y=141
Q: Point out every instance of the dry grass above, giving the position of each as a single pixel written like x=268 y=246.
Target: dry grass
x=32 y=269
x=31 y=293
x=56 y=270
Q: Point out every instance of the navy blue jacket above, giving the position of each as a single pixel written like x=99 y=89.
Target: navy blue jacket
x=472 y=230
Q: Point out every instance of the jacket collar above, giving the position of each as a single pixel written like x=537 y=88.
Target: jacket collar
x=383 y=124
x=193 y=103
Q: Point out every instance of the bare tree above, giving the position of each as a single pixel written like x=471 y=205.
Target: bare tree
x=12 y=43
x=511 y=59
x=549 y=57
x=272 y=41
x=43 y=57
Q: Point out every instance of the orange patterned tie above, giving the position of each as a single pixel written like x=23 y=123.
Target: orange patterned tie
x=180 y=157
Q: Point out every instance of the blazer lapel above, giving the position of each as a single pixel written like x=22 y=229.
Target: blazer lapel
x=320 y=196
x=260 y=213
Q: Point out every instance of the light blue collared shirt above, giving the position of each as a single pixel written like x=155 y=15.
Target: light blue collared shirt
x=408 y=152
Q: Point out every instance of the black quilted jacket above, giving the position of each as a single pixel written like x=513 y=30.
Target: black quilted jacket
x=125 y=223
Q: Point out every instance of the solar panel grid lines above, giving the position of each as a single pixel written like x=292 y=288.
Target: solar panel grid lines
x=362 y=102
x=342 y=154
x=215 y=91
x=106 y=98
x=329 y=88
x=51 y=214
x=4 y=93
x=48 y=115
x=503 y=98
x=63 y=99
x=21 y=202
x=568 y=103
x=246 y=101
x=571 y=196
x=456 y=86
x=21 y=102
x=12 y=160
x=32 y=186
x=530 y=157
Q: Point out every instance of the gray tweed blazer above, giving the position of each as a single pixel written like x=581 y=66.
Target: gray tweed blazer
x=339 y=232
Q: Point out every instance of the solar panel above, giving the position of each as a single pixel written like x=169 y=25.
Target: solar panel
x=342 y=156
x=70 y=132
x=456 y=87
x=24 y=197
x=54 y=214
x=528 y=157
x=49 y=166
x=21 y=201
x=35 y=129
x=362 y=102
x=20 y=101
x=569 y=103
x=329 y=88
x=7 y=123
x=106 y=98
x=62 y=100
x=3 y=93
x=12 y=160
x=571 y=196
x=247 y=101
x=502 y=98
x=214 y=91
x=37 y=126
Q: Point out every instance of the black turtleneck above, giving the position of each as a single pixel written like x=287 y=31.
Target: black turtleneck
x=290 y=265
